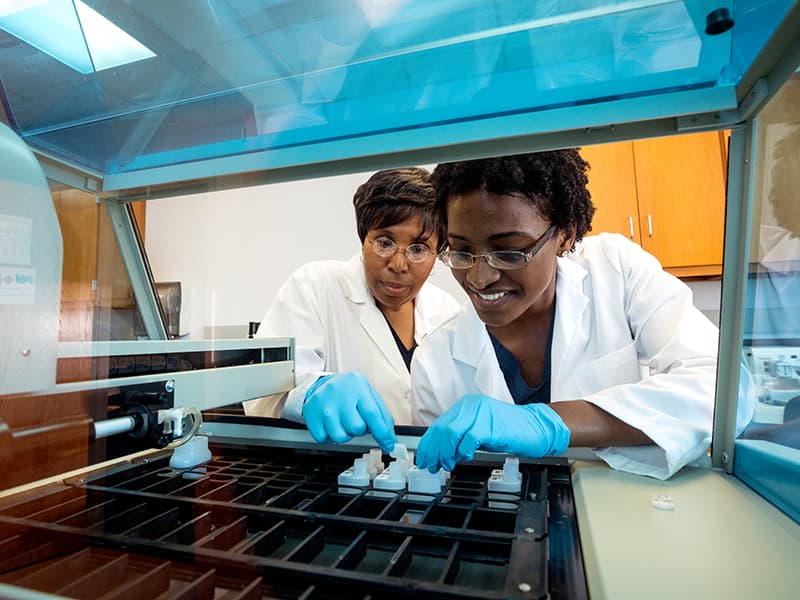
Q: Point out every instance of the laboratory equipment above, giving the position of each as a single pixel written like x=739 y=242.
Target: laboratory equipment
x=231 y=93
x=271 y=522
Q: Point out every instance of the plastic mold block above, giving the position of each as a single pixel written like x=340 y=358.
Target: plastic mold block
x=504 y=485
x=374 y=462
x=356 y=476
x=393 y=477
x=423 y=481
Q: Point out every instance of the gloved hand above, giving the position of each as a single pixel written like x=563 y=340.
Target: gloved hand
x=344 y=405
x=476 y=421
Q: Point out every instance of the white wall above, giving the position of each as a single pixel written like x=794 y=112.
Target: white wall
x=706 y=296
x=231 y=250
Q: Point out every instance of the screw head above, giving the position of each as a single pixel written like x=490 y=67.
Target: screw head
x=530 y=530
x=26 y=352
x=170 y=386
x=524 y=587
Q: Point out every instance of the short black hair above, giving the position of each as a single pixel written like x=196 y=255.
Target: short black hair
x=390 y=197
x=555 y=182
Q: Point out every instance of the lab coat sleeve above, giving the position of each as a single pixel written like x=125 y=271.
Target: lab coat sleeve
x=673 y=405
x=295 y=312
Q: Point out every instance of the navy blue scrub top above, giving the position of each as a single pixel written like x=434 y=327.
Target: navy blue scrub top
x=406 y=353
x=521 y=392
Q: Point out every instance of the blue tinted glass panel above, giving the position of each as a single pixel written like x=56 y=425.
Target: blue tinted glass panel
x=233 y=77
x=768 y=454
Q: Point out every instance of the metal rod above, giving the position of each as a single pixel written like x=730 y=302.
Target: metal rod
x=113 y=426
x=734 y=279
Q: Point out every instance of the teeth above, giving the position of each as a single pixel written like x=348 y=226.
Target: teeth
x=491 y=297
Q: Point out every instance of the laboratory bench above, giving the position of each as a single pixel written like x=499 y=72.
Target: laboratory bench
x=701 y=534
x=217 y=97
x=260 y=521
x=257 y=521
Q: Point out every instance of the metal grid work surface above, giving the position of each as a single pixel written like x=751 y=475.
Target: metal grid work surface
x=274 y=523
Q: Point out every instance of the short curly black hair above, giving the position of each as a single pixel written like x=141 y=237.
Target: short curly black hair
x=555 y=181
x=391 y=196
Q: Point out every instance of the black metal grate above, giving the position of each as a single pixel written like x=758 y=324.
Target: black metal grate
x=273 y=523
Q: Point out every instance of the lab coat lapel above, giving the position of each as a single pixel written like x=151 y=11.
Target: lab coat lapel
x=571 y=304
x=372 y=319
x=427 y=314
x=374 y=323
x=471 y=346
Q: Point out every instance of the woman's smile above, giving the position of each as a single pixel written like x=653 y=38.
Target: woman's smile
x=480 y=223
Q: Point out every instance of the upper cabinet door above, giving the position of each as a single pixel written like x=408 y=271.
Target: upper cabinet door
x=612 y=183
x=681 y=190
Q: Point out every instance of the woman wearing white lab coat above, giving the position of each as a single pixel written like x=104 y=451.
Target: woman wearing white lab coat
x=623 y=361
x=357 y=323
x=329 y=310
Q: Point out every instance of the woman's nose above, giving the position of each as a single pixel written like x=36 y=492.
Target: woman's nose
x=480 y=274
x=398 y=262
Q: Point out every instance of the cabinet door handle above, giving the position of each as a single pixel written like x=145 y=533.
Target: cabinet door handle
x=630 y=224
x=650 y=225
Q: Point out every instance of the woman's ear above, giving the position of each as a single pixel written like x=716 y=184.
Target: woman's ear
x=566 y=240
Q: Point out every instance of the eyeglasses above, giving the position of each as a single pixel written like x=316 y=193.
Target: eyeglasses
x=502 y=260
x=415 y=253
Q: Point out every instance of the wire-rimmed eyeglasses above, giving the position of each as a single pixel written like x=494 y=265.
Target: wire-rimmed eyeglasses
x=503 y=260
x=386 y=248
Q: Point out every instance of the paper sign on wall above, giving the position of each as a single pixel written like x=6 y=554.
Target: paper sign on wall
x=15 y=240
x=17 y=285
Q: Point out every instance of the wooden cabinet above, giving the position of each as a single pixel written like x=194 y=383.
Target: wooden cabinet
x=667 y=194
x=95 y=282
x=78 y=215
x=612 y=183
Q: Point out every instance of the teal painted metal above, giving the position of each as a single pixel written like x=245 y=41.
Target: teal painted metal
x=298 y=82
x=497 y=129
x=773 y=471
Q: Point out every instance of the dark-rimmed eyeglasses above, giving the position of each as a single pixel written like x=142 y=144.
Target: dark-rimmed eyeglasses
x=503 y=260
x=386 y=248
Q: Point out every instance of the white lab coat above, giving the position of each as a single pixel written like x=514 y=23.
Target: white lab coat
x=626 y=338
x=329 y=310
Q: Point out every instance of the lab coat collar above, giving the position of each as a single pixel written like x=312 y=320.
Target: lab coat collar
x=571 y=304
x=372 y=319
x=355 y=284
x=427 y=310
x=472 y=346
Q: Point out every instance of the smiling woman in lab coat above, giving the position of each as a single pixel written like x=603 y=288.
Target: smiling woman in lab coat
x=566 y=341
x=357 y=323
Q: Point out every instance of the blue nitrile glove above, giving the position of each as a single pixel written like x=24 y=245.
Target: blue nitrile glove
x=476 y=421
x=344 y=405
